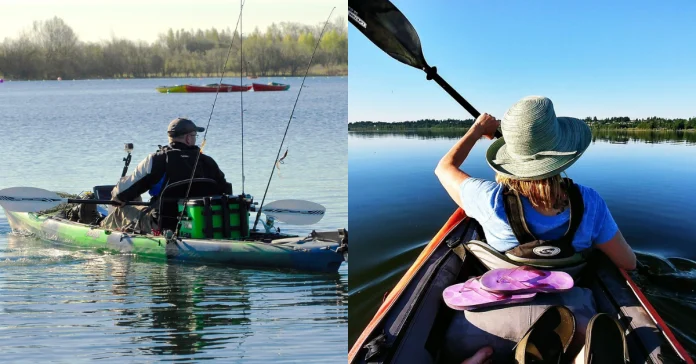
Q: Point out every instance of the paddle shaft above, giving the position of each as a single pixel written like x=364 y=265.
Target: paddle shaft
x=431 y=74
x=108 y=202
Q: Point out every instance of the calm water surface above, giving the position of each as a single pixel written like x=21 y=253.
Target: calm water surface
x=397 y=205
x=66 y=305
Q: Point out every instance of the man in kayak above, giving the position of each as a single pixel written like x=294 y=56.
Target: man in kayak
x=172 y=163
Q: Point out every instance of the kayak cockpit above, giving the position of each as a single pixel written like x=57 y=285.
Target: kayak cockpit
x=420 y=328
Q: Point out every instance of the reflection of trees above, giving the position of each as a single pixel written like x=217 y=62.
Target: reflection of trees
x=186 y=308
x=412 y=134
x=614 y=136
x=647 y=136
x=176 y=296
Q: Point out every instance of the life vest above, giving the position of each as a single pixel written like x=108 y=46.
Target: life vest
x=178 y=167
x=557 y=254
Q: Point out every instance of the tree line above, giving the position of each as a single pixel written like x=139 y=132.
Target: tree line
x=653 y=122
x=410 y=125
x=622 y=122
x=51 y=49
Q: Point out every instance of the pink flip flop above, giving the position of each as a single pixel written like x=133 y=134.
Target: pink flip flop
x=469 y=295
x=525 y=279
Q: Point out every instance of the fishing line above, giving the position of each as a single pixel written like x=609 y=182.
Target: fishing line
x=258 y=214
x=241 y=84
x=205 y=134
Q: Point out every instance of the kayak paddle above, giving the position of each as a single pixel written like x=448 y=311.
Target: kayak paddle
x=387 y=27
x=295 y=212
x=32 y=199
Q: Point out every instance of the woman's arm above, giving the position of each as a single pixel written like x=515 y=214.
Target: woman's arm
x=619 y=252
x=447 y=171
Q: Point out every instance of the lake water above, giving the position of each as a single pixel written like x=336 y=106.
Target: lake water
x=70 y=306
x=397 y=205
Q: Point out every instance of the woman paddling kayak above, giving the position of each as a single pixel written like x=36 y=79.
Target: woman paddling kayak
x=531 y=216
x=537 y=146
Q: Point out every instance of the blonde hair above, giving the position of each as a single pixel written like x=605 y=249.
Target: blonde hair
x=548 y=193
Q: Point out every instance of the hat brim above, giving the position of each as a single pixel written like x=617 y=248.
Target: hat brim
x=573 y=134
x=200 y=129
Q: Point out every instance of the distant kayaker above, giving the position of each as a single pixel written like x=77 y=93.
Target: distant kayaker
x=172 y=163
x=529 y=202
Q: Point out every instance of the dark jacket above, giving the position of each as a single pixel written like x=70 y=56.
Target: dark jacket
x=172 y=163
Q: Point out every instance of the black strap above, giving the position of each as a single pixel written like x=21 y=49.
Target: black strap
x=577 y=209
x=208 y=217
x=515 y=215
x=225 y=216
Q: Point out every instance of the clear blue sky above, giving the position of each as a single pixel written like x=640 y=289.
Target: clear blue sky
x=591 y=58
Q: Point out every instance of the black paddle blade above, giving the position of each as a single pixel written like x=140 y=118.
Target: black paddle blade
x=388 y=29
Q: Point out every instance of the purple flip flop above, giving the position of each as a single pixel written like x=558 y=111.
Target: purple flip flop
x=525 y=279
x=469 y=295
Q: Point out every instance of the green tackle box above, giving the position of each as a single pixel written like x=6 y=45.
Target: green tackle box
x=216 y=217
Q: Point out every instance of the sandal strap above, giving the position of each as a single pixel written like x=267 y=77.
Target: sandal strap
x=524 y=284
x=481 y=292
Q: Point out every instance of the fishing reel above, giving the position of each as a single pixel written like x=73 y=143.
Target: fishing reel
x=269 y=225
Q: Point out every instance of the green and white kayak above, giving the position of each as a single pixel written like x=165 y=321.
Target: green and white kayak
x=318 y=252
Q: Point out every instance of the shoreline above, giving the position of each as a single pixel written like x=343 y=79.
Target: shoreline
x=179 y=77
x=410 y=130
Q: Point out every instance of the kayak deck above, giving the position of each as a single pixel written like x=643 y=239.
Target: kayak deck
x=323 y=253
x=415 y=326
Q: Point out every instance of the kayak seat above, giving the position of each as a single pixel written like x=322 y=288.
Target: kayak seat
x=103 y=192
x=493 y=259
x=167 y=201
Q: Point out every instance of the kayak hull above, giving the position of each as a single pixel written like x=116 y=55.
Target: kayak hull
x=214 y=88
x=262 y=250
x=171 y=89
x=270 y=87
x=412 y=323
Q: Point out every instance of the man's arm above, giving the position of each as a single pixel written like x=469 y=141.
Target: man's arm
x=148 y=172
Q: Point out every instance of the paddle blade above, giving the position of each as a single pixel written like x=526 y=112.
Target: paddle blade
x=388 y=29
x=28 y=199
x=295 y=212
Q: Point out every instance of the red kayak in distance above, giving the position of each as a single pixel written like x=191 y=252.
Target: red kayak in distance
x=273 y=86
x=214 y=88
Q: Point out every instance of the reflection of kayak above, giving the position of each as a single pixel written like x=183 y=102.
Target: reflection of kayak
x=413 y=324
x=273 y=86
x=168 y=89
x=214 y=88
x=313 y=253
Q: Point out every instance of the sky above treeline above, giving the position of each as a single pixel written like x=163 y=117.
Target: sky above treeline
x=591 y=58
x=96 y=20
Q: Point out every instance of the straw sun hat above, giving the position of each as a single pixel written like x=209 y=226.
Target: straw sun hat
x=536 y=144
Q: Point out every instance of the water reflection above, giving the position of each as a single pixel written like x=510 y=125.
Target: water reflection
x=611 y=136
x=173 y=310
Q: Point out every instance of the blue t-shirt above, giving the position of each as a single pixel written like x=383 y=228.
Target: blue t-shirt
x=483 y=201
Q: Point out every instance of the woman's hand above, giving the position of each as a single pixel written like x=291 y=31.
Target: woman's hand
x=486 y=126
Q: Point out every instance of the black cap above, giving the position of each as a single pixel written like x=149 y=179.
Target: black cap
x=181 y=126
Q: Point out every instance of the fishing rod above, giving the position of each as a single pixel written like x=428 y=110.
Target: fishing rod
x=291 y=115
x=205 y=134
x=241 y=84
